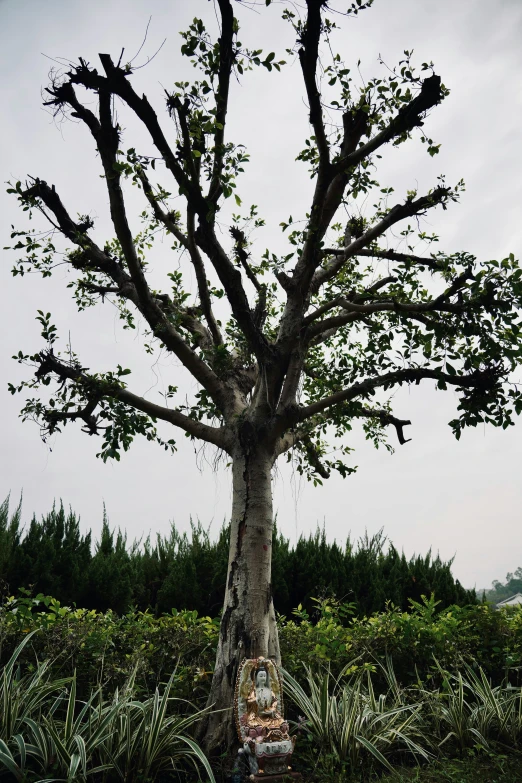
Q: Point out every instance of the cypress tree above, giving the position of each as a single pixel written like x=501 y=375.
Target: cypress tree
x=10 y=534
x=109 y=573
x=188 y=571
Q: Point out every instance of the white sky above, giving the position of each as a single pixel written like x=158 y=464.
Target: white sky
x=457 y=498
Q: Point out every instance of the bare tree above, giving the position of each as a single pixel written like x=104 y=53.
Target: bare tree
x=315 y=339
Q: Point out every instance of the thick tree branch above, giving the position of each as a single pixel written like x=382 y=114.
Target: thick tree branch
x=116 y=82
x=103 y=290
x=50 y=364
x=296 y=435
x=330 y=187
x=106 y=136
x=408 y=117
x=182 y=111
x=337 y=301
x=322 y=337
x=389 y=255
x=308 y=57
x=232 y=282
x=86 y=414
x=355 y=123
x=201 y=278
x=297 y=286
x=302 y=434
x=240 y=245
x=293 y=310
x=329 y=194
x=92 y=256
x=159 y=213
x=187 y=241
x=226 y=61
x=485 y=379
x=292 y=379
x=156 y=313
x=314 y=459
x=188 y=317
x=354 y=312
x=398 y=212
x=406 y=258
x=260 y=311
x=385 y=417
x=441 y=304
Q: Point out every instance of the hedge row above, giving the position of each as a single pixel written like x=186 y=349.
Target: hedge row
x=103 y=647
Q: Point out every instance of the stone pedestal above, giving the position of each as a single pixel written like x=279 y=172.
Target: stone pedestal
x=286 y=777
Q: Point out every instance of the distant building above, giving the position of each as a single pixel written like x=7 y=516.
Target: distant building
x=515 y=600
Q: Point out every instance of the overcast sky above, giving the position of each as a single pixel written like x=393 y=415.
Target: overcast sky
x=460 y=499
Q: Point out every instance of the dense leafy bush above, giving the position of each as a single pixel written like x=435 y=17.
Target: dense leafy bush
x=104 y=647
x=447 y=679
x=477 y=635
x=53 y=557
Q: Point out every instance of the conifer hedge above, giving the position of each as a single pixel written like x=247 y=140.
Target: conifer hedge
x=188 y=571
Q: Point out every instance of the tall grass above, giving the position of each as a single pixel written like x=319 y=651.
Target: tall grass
x=351 y=727
x=45 y=730
x=469 y=712
x=349 y=723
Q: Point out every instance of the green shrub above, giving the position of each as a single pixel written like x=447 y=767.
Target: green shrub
x=454 y=687
x=477 y=635
x=190 y=569
x=349 y=725
x=471 y=713
x=104 y=647
x=46 y=730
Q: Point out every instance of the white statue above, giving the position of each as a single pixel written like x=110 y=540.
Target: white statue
x=260 y=724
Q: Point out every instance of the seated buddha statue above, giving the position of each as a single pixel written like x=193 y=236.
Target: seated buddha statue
x=262 y=708
x=266 y=746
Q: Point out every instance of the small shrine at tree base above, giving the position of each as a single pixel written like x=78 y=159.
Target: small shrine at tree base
x=266 y=745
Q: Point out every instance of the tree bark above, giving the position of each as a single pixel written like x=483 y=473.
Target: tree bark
x=248 y=625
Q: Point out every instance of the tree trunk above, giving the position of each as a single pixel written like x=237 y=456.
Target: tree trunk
x=248 y=626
